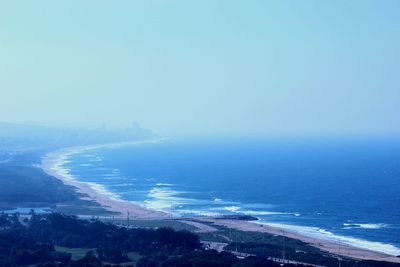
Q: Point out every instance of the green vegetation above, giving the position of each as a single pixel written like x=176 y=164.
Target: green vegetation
x=76 y=253
x=60 y=240
x=176 y=225
x=268 y=245
x=25 y=185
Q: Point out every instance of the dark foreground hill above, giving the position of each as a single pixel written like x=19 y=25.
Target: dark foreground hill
x=41 y=240
x=49 y=239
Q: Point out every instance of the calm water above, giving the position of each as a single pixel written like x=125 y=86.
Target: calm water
x=343 y=189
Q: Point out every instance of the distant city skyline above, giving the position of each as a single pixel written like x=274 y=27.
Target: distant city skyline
x=203 y=67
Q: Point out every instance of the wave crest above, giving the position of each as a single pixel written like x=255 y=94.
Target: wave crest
x=364 y=225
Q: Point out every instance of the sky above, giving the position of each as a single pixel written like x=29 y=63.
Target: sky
x=222 y=67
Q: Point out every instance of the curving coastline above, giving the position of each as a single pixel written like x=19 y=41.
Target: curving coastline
x=53 y=161
x=342 y=249
x=52 y=165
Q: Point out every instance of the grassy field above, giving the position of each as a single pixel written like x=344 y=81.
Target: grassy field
x=79 y=253
x=24 y=185
x=265 y=244
x=176 y=225
x=76 y=253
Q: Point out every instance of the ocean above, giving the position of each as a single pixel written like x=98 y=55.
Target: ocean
x=347 y=190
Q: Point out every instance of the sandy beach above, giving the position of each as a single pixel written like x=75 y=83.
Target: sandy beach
x=326 y=245
x=52 y=165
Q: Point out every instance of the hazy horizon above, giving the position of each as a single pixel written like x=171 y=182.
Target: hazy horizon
x=260 y=68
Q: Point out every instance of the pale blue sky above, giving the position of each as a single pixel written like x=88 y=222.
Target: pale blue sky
x=204 y=67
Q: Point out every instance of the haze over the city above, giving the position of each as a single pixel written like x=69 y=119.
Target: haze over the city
x=203 y=67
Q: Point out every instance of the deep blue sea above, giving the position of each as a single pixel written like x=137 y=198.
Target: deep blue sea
x=348 y=189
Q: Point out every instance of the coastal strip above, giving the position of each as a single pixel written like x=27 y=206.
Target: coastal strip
x=331 y=246
x=53 y=162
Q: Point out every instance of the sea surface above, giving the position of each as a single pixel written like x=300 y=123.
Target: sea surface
x=347 y=190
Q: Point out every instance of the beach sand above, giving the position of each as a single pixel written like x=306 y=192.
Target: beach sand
x=325 y=245
x=52 y=162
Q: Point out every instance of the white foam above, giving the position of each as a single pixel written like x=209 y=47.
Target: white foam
x=232 y=208
x=122 y=184
x=198 y=212
x=260 y=212
x=164 y=199
x=323 y=234
x=61 y=157
x=102 y=190
x=364 y=225
x=67 y=152
x=164 y=184
x=238 y=209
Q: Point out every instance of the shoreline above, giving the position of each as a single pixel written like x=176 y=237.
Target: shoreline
x=342 y=249
x=52 y=164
